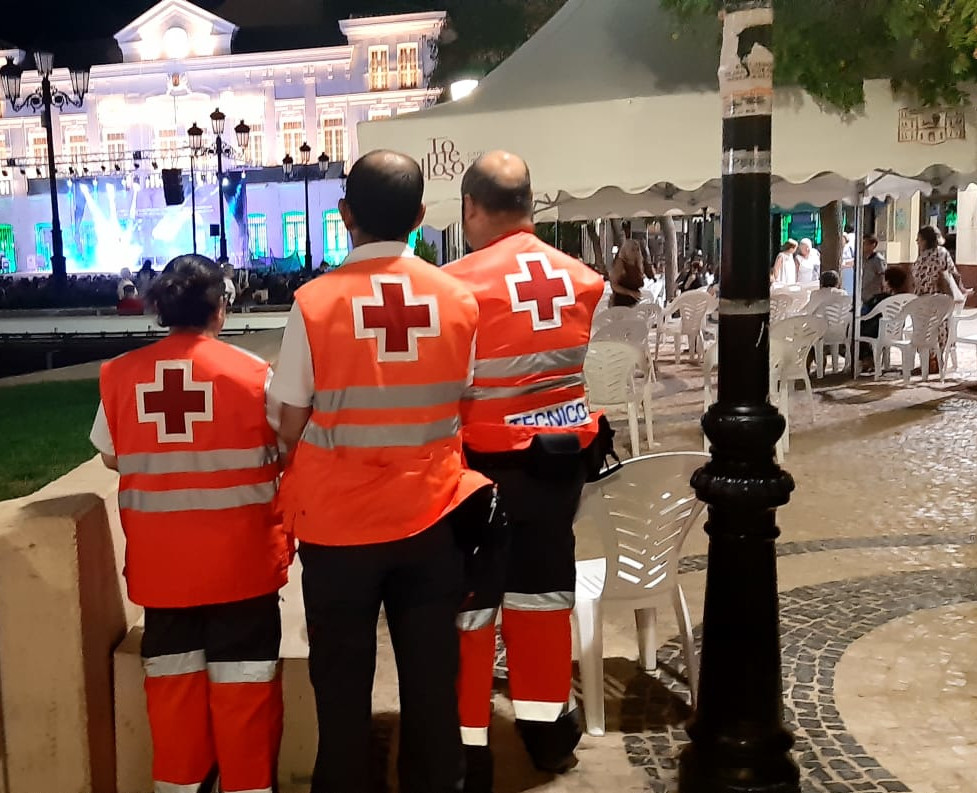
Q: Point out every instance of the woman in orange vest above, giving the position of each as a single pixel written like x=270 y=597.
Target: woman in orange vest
x=184 y=423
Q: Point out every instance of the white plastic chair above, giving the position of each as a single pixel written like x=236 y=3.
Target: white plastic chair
x=892 y=329
x=836 y=311
x=959 y=313
x=611 y=315
x=928 y=313
x=613 y=372
x=692 y=307
x=630 y=331
x=791 y=341
x=643 y=512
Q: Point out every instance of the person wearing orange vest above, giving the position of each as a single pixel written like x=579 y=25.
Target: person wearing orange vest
x=184 y=423
x=375 y=359
x=526 y=426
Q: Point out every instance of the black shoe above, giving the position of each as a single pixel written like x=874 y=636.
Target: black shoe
x=551 y=744
x=479 y=774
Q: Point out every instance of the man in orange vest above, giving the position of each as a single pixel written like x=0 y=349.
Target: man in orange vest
x=375 y=359
x=526 y=426
x=184 y=423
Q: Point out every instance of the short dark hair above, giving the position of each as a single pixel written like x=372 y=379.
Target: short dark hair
x=830 y=280
x=188 y=293
x=871 y=238
x=896 y=277
x=496 y=198
x=385 y=198
x=930 y=236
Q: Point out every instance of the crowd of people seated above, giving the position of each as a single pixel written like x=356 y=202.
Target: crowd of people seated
x=126 y=291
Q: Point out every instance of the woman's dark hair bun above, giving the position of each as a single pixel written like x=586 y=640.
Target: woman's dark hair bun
x=188 y=293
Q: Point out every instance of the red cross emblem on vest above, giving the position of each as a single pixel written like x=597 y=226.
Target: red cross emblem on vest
x=541 y=290
x=173 y=402
x=395 y=317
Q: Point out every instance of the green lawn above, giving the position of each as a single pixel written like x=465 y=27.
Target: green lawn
x=43 y=433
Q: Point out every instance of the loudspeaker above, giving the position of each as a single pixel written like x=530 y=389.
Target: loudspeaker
x=172 y=186
x=215 y=230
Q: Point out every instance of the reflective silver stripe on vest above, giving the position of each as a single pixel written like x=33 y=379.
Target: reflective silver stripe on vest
x=197 y=462
x=388 y=397
x=176 y=664
x=378 y=436
x=546 y=601
x=203 y=499
x=479 y=392
x=476 y=620
x=174 y=787
x=242 y=671
x=533 y=363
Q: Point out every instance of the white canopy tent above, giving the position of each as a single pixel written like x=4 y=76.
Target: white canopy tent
x=616 y=108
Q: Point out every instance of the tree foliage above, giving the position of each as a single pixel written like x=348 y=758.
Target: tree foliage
x=828 y=47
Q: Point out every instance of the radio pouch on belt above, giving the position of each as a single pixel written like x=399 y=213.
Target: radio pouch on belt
x=595 y=455
x=554 y=456
x=482 y=532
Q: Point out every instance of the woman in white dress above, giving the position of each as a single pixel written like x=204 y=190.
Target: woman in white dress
x=784 y=268
x=808 y=263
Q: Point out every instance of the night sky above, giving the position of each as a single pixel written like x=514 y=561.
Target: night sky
x=84 y=20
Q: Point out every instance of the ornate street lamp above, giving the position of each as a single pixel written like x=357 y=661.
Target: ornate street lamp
x=739 y=742
x=195 y=135
x=44 y=98
x=288 y=167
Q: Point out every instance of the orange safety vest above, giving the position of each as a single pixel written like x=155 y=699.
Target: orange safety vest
x=198 y=466
x=536 y=306
x=380 y=458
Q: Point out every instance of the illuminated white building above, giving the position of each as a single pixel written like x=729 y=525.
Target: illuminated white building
x=176 y=64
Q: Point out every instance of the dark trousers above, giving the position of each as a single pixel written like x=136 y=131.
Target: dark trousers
x=540 y=495
x=419 y=582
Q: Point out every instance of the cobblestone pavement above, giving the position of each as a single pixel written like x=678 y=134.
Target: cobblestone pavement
x=878 y=582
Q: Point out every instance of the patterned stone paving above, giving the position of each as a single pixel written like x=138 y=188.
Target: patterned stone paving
x=818 y=624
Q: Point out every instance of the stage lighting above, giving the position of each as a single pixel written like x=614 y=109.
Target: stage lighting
x=38 y=172
x=4 y=172
x=71 y=170
x=85 y=170
x=118 y=167
x=155 y=165
x=103 y=169
x=23 y=172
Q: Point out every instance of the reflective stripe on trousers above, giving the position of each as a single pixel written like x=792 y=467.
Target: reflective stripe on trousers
x=377 y=436
x=478 y=393
x=175 y=664
x=173 y=787
x=536 y=363
x=545 y=601
x=476 y=620
x=197 y=462
x=206 y=499
x=388 y=397
x=242 y=671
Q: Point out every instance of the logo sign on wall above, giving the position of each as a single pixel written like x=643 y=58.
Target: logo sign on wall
x=443 y=162
x=931 y=127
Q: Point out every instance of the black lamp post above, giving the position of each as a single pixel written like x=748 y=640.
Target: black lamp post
x=44 y=98
x=243 y=133
x=739 y=742
x=288 y=166
x=196 y=136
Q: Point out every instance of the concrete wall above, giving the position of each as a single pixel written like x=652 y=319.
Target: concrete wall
x=62 y=613
x=72 y=707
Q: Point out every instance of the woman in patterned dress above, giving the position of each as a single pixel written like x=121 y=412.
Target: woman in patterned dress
x=933 y=261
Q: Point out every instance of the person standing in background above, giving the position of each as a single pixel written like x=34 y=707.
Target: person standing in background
x=808 y=260
x=873 y=268
x=784 y=266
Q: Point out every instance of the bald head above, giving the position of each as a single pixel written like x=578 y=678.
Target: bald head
x=497 y=198
x=384 y=192
x=498 y=182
